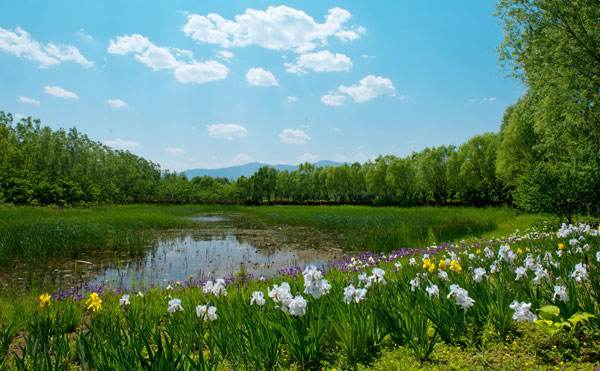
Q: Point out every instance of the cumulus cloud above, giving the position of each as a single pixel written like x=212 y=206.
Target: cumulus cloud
x=122 y=144
x=226 y=131
x=200 y=72
x=20 y=44
x=225 y=55
x=260 y=77
x=291 y=99
x=59 y=92
x=276 y=28
x=175 y=151
x=116 y=103
x=322 y=61
x=368 y=88
x=27 y=100
x=293 y=136
x=185 y=68
x=333 y=99
x=241 y=158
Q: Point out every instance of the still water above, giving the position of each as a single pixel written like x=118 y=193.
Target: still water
x=192 y=256
x=220 y=246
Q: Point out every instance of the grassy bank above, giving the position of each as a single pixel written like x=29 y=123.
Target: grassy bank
x=454 y=308
x=384 y=229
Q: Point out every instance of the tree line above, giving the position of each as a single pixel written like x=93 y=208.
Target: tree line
x=545 y=156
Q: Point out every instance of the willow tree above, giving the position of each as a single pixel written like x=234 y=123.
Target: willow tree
x=553 y=46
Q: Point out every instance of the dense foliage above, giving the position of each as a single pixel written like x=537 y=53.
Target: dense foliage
x=536 y=293
x=41 y=166
x=549 y=150
x=546 y=156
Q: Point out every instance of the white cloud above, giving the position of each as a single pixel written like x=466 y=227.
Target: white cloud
x=276 y=28
x=126 y=44
x=241 y=158
x=333 y=99
x=116 y=103
x=175 y=151
x=225 y=55
x=260 y=77
x=157 y=58
x=337 y=130
x=20 y=44
x=292 y=136
x=291 y=99
x=200 y=72
x=350 y=35
x=322 y=61
x=368 y=88
x=27 y=100
x=226 y=131
x=84 y=35
x=484 y=99
x=308 y=157
x=122 y=144
x=59 y=92
x=185 y=68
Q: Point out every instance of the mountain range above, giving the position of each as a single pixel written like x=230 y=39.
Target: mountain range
x=234 y=172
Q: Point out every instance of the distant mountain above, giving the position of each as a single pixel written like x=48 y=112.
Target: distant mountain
x=234 y=172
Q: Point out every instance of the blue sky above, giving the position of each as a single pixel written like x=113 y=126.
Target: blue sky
x=214 y=83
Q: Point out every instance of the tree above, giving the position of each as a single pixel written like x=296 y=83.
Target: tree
x=401 y=180
x=431 y=173
x=553 y=46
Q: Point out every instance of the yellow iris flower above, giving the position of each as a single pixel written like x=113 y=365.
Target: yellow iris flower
x=44 y=300
x=94 y=303
x=455 y=266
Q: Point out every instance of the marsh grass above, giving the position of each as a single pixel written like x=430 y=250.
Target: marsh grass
x=383 y=229
x=37 y=234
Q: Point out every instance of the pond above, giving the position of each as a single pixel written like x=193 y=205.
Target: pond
x=220 y=246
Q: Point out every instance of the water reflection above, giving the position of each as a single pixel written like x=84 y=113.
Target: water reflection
x=219 y=246
x=179 y=258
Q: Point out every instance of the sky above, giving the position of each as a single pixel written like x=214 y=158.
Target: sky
x=207 y=83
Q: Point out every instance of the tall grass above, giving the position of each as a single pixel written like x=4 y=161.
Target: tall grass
x=388 y=228
x=34 y=233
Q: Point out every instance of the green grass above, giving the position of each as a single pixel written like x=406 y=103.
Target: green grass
x=36 y=233
x=389 y=228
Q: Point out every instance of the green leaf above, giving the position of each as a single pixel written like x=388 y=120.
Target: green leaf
x=549 y=312
x=580 y=317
